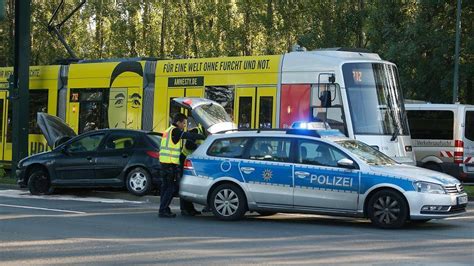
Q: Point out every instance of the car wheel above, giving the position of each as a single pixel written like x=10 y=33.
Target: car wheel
x=266 y=213
x=138 y=181
x=387 y=209
x=228 y=202
x=39 y=182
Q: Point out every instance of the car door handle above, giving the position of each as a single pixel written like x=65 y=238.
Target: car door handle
x=301 y=174
x=247 y=170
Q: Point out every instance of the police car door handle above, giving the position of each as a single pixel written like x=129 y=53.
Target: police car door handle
x=247 y=170
x=301 y=174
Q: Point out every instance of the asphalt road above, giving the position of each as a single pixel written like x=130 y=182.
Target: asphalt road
x=62 y=229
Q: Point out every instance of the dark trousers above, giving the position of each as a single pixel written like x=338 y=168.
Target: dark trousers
x=169 y=175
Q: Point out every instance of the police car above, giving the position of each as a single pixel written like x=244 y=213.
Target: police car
x=314 y=171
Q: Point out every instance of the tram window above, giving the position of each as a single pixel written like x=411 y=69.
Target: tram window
x=224 y=95
x=38 y=103
x=266 y=112
x=245 y=112
x=92 y=116
x=1 y=119
x=333 y=114
x=93 y=110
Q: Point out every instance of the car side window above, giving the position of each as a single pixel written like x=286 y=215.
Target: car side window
x=270 y=149
x=86 y=144
x=231 y=148
x=318 y=153
x=119 y=141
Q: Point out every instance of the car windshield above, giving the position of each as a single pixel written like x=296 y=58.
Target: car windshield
x=212 y=114
x=366 y=153
x=375 y=99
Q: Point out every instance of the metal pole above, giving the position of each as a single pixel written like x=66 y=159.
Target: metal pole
x=20 y=93
x=456 y=56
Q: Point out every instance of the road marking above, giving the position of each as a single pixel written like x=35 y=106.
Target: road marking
x=21 y=194
x=38 y=208
x=460 y=218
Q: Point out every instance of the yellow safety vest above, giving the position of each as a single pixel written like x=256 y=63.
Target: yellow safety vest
x=169 y=152
x=198 y=142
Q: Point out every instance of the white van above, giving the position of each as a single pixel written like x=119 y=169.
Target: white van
x=443 y=137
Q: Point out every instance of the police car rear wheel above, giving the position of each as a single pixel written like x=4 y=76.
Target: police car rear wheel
x=228 y=202
x=138 y=181
x=387 y=209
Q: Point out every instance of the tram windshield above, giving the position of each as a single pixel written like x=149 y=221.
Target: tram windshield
x=375 y=99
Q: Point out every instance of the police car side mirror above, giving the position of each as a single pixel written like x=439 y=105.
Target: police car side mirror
x=346 y=163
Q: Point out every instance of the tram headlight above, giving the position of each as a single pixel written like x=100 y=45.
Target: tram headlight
x=427 y=187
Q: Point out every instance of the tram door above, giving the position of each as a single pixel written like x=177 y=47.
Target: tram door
x=255 y=107
x=3 y=122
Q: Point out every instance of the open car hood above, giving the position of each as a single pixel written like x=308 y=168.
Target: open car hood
x=53 y=128
x=210 y=114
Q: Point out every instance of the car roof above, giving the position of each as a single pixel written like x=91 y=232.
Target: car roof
x=107 y=130
x=328 y=134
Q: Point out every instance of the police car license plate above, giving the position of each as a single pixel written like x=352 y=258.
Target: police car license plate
x=462 y=200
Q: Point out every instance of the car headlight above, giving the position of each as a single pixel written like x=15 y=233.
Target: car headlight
x=426 y=187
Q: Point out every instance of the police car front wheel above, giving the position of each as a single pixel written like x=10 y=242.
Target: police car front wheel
x=387 y=209
x=228 y=202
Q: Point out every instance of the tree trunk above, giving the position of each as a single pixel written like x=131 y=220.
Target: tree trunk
x=191 y=29
x=146 y=28
x=11 y=32
x=269 y=27
x=360 y=36
x=246 y=33
x=163 y=29
x=99 y=28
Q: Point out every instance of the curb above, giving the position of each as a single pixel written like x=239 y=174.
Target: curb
x=124 y=195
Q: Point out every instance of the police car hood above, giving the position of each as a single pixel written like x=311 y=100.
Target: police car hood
x=53 y=128
x=414 y=173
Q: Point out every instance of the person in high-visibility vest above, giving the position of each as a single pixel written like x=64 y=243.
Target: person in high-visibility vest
x=170 y=152
x=187 y=207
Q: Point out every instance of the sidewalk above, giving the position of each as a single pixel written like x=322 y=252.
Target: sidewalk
x=107 y=194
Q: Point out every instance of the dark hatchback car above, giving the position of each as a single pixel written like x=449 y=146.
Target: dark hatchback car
x=99 y=158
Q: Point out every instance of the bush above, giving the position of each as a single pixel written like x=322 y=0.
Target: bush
x=3 y=173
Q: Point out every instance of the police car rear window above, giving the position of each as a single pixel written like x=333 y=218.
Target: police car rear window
x=230 y=148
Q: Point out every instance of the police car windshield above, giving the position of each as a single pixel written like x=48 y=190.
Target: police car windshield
x=211 y=114
x=366 y=153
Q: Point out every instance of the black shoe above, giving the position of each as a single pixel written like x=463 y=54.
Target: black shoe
x=166 y=215
x=189 y=213
x=206 y=209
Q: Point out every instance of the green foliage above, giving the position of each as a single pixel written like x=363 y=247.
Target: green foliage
x=417 y=35
x=2 y=171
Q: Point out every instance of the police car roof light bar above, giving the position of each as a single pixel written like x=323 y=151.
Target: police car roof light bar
x=292 y=131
